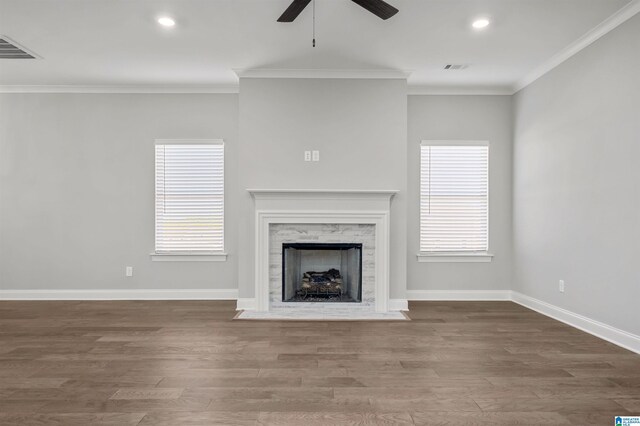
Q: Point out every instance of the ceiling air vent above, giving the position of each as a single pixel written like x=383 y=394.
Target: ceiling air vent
x=455 y=67
x=11 y=50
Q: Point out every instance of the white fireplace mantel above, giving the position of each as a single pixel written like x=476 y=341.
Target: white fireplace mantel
x=389 y=192
x=321 y=194
x=319 y=206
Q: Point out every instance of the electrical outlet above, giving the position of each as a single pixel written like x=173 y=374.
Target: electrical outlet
x=561 y=286
x=307 y=156
x=316 y=156
x=129 y=271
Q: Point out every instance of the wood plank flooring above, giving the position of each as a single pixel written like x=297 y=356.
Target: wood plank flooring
x=188 y=363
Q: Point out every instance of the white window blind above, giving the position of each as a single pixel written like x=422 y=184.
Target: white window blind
x=454 y=197
x=189 y=196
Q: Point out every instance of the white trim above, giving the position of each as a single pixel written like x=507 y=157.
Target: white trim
x=429 y=90
x=601 y=330
x=277 y=194
x=323 y=73
x=315 y=313
x=398 y=305
x=299 y=206
x=189 y=141
x=235 y=88
x=218 y=255
x=127 y=294
x=459 y=295
x=453 y=142
x=606 y=332
x=188 y=257
x=454 y=257
x=8 y=88
x=246 y=303
x=264 y=218
x=609 y=24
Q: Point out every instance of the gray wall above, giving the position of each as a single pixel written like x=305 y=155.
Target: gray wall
x=48 y=233
x=77 y=189
x=360 y=128
x=463 y=118
x=577 y=182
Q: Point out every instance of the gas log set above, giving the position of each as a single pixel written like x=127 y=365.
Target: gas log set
x=321 y=284
x=333 y=272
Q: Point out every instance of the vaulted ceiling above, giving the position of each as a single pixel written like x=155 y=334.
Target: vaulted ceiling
x=119 y=42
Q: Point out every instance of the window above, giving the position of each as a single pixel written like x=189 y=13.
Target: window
x=454 y=198
x=189 y=197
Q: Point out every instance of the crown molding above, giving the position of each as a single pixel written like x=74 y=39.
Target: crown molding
x=612 y=22
x=323 y=73
x=609 y=24
x=221 y=89
x=459 y=90
x=230 y=88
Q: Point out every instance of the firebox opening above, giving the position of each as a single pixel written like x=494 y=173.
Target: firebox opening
x=314 y=272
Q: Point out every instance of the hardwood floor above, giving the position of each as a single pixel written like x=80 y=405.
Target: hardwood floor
x=188 y=363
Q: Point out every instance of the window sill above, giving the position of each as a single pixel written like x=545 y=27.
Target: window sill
x=189 y=257
x=454 y=257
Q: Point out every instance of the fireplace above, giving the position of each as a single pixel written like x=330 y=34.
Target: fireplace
x=321 y=217
x=322 y=272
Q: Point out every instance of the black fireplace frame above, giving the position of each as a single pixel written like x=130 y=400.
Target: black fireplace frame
x=322 y=246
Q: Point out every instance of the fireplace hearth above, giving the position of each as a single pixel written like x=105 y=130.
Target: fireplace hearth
x=313 y=272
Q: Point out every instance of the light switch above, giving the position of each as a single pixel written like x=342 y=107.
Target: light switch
x=307 y=156
x=129 y=271
x=316 y=156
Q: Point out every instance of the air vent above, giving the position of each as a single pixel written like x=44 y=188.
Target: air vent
x=453 y=67
x=10 y=50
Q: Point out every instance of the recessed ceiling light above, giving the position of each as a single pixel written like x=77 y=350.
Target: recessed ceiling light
x=481 y=23
x=165 y=21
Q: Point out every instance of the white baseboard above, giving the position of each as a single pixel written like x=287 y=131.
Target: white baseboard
x=398 y=305
x=129 y=294
x=246 y=304
x=611 y=334
x=459 y=295
x=606 y=332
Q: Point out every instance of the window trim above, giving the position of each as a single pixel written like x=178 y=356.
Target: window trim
x=456 y=256
x=191 y=256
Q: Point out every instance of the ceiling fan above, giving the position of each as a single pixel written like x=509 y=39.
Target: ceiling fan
x=378 y=7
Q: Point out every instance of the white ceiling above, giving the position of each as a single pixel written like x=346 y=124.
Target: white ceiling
x=118 y=42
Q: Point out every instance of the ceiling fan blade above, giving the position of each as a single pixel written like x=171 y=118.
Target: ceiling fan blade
x=378 y=7
x=294 y=9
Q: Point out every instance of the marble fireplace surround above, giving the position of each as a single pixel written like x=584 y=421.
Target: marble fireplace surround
x=275 y=208
x=350 y=233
